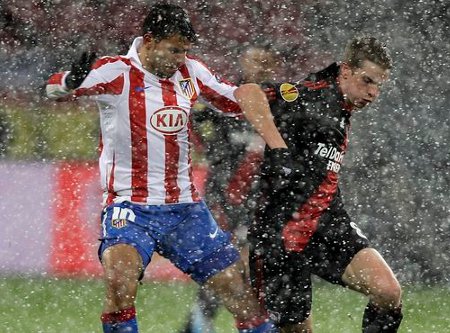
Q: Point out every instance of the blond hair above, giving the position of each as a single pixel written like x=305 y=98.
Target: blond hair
x=367 y=48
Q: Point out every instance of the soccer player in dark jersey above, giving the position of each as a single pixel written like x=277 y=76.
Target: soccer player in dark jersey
x=301 y=227
x=234 y=152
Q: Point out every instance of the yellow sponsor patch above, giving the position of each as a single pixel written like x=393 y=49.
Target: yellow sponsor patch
x=288 y=92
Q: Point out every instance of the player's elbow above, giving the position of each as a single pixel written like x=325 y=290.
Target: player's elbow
x=248 y=90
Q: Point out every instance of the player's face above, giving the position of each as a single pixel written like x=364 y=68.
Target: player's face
x=163 y=57
x=257 y=65
x=361 y=86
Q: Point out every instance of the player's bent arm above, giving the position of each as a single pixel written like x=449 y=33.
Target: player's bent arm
x=255 y=107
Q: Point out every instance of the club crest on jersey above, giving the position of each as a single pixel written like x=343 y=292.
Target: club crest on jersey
x=187 y=87
x=169 y=120
x=119 y=223
x=288 y=92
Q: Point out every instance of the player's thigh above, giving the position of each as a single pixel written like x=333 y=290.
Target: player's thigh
x=334 y=244
x=198 y=246
x=122 y=262
x=229 y=281
x=369 y=274
x=126 y=223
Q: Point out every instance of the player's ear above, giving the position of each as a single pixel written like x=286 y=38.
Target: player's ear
x=148 y=39
x=345 y=70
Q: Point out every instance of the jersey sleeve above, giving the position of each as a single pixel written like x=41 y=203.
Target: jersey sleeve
x=105 y=78
x=215 y=91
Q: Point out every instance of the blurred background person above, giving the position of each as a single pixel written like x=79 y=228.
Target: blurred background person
x=233 y=152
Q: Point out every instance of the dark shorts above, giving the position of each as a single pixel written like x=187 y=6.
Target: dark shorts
x=186 y=234
x=283 y=279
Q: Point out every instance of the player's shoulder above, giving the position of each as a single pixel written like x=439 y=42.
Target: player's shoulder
x=197 y=68
x=112 y=62
x=196 y=64
x=321 y=80
x=281 y=91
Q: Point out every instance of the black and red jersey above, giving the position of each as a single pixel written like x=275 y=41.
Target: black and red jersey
x=314 y=120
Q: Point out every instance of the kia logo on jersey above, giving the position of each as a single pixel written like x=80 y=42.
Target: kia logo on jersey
x=169 y=120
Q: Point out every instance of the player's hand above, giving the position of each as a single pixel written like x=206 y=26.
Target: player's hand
x=278 y=167
x=80 y=69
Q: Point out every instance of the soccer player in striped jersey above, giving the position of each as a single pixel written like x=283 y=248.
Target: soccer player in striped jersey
x=150 y=201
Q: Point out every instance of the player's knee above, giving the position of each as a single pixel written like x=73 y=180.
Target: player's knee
x=388 y=294
x=230 y=280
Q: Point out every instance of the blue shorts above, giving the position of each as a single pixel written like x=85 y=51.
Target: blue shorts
x=186 y=234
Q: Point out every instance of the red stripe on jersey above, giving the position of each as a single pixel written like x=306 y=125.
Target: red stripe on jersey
x=114 y=87
x=298 y=231
x=56 y=78
x=316 y=85
x=194 y=194
x=111 y=193
x=221 y=102
x=108 y=60
x=172 y=148
x=139 y=152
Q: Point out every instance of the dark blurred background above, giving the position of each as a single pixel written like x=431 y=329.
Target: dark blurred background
x=396 y=175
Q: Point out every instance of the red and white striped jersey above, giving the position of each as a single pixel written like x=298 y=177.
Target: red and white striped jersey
x=145 y=125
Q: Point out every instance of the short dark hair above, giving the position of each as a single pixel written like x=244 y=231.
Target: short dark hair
x=165 y=20
x=367 y=48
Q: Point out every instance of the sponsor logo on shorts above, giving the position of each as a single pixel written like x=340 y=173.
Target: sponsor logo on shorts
x=288 y=92
x=332 y=154
x=119 y=223
x=214 y=234
x=121 y=216
x=169 y=120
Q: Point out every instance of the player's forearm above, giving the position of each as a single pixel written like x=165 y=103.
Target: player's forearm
x=254 y=105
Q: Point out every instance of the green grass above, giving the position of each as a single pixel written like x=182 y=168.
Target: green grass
x=66 y=133
x=50 y=305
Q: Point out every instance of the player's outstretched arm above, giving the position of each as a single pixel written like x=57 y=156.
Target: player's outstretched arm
x=62 y=84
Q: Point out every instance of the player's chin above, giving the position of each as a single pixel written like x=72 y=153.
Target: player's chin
x=361 y=104
x=167 y=72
